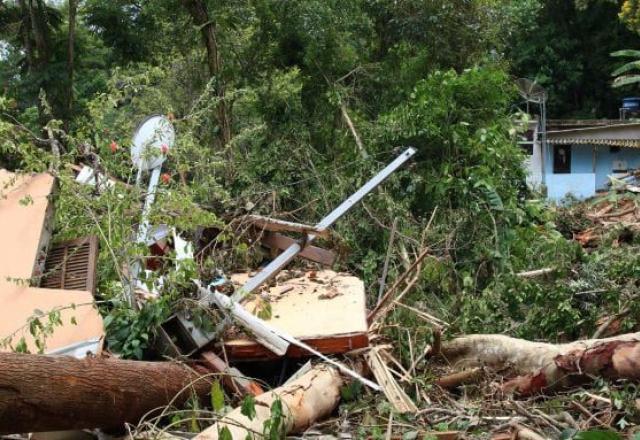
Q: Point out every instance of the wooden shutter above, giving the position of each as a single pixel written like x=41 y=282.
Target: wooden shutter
x=71 y=265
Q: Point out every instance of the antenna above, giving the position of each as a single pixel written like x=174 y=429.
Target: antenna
x=534 y=93
x=531 y=91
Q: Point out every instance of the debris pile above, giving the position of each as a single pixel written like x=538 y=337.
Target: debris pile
x=288 y=343
x=605 y=213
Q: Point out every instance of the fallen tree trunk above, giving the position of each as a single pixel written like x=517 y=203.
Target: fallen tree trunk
x=311 y=397
x=541 y=365
x=53 y=393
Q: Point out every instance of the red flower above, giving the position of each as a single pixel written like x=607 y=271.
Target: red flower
x=166 y=178
x=114 y=146
x=164 y=149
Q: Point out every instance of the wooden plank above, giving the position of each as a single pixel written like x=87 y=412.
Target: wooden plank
x=232 y=379
x=274 y=240
x=275 y=225
x=246 y=349
x=323 y=309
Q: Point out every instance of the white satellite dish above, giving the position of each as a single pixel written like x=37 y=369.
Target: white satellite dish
x=531 y=90
x=151 y=141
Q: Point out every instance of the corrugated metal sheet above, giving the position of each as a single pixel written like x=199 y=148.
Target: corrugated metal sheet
x=71 y=265
x=629 y=143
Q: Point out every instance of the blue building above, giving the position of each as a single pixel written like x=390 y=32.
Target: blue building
x=579 y=156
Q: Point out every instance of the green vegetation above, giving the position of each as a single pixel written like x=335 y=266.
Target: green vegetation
x=260 y=92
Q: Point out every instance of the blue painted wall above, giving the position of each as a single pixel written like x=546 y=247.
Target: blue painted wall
x=580 y=178
x=604 y=162
x=580 y=185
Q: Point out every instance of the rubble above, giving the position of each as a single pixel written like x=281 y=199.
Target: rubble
x=605 y=212
x=311 y=318
x=25 y=230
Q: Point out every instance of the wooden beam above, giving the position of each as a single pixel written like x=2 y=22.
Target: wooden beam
x=274 y=240
x=275 y=225
x=232 y=379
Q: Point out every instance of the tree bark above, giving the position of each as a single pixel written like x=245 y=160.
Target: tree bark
x=200 y=15
x=42 y=53
x=540 y=366
x=305 y=400
x=73 y=9
x=40 y=32
x=53 y=393
x=26 y=34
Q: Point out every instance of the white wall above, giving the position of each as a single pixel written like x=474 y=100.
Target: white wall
x=533 y=166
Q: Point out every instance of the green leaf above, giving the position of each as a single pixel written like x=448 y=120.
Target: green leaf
x=34 y=326
x=217 y=396
x=107 y=321
x=626 y=53
x=410 y=435
x=73 y=320
x=264 y=311
x=224 y=434
x=625 y=80
x=597 y=435
x=626 y=68
x=21 y=347
x=351 y=391
x=248 y=408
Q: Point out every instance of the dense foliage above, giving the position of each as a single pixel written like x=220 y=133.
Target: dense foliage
x=284 y=107
x=565 y=46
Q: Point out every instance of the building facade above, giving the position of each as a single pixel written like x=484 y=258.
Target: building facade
x=579 y=157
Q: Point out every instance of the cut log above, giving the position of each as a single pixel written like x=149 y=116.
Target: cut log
x=305 y=400
x=542 y=366
x=54 y=393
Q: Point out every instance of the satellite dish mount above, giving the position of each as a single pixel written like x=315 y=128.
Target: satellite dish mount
x=151 y=142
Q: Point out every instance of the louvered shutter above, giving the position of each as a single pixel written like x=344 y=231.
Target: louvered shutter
x=71 y=265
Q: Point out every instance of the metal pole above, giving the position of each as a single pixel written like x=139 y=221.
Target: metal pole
x=289 y=254
x=143 y=232
x=544 y=149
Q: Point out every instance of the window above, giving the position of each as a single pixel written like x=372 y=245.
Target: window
x=72 y=265
x=562 y=159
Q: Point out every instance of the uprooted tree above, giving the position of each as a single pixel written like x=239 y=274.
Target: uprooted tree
x=542 y=366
